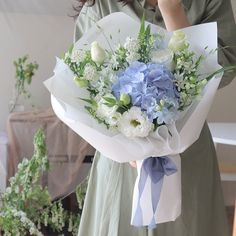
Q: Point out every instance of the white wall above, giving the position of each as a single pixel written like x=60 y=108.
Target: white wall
x=43 y=30
x=39 y=28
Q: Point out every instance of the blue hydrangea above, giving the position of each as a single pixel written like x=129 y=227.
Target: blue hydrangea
x=151 y=87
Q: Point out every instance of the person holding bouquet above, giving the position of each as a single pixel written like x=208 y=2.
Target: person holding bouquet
x=107 y=208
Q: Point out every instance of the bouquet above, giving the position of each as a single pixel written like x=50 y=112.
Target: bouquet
x=140 y=93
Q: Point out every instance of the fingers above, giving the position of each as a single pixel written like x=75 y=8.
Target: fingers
x=133 y=164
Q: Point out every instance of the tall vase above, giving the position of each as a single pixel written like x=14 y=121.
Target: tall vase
x=15 y=105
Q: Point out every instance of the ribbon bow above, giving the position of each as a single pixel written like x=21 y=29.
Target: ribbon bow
x=156 y=168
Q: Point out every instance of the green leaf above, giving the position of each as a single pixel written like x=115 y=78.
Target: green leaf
x=90 y=101
x=222 y=70
x=71 y=49
x=148 y=31
x=110 y=100
x=109 y=104
x=142 y=27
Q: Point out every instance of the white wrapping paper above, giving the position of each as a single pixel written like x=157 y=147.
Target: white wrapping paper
x=70 y=109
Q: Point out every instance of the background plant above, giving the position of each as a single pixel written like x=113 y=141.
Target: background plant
x=24 y=73
x=26 y=206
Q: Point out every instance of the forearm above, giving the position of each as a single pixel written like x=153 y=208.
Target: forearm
x=174 y=16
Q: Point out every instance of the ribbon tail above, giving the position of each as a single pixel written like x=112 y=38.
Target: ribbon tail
x=156 y=194
x=138 y=216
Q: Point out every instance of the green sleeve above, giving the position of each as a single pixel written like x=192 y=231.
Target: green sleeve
x=221 y=11
x=87 y=17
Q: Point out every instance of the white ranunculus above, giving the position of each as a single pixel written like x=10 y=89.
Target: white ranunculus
x=98 y=54
x=134 y=123
x=178 y=41
x=164 y=57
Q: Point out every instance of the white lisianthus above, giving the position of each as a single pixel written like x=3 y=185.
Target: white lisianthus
x=164 y=57
x=104 y=111
x=134 y=123
x=98 y=54
x=178 y=41
x=114 y=119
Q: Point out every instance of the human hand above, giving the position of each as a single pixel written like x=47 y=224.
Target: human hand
x=133 y=164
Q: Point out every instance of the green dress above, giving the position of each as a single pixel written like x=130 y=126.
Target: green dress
x=107 y=209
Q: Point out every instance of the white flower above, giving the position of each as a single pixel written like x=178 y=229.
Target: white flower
x=164 y=57
x=98 y=54
x=132 y=56
x=90 y=73
x=104 y=111
x=134 y=123
x=131 y=44
x=77 y=55
x=114 y=119
x=179 y=79
x=178 y=42
x=132 y=47
x=108 y=74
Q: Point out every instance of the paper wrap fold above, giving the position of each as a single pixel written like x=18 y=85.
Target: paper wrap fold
x=70 y=109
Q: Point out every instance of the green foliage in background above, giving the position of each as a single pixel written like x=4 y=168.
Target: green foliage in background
x=24 y=74
x=26 y=206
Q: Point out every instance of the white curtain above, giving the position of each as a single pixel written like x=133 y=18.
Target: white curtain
x=40 y=28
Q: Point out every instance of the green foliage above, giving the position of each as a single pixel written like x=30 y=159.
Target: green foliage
x=80 y=193
x=120 y=55
x=26 y=206
x=145 y=40
x=24 y=74
x=189 y=83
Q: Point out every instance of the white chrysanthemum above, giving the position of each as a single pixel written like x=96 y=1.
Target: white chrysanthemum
x=90 y=73
x=134 y=123
x=77 y=55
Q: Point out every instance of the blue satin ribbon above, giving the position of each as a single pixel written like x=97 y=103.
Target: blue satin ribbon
x=156 y=168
